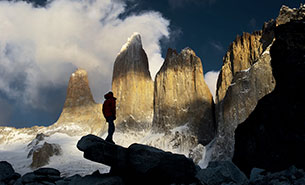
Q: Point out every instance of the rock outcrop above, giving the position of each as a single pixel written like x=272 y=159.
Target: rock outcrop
x=246 y=77
x=7 y=174
x=272 y=137
x=80 y=110
x=242 y=54
x=221 y=172
x=139 y=164
x=41 y=155
x=182 y=98
x=287 y=14
x=292 y=175
x=133 y=87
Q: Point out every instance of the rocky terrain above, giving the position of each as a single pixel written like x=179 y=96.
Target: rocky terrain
x=246 y=76
x=141 y=164
x=169 y=131
x=272 y=137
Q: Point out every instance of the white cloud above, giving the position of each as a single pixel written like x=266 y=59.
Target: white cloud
x=41 y=47
x=211 y=80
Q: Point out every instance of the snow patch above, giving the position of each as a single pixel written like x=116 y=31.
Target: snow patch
x=134 y=39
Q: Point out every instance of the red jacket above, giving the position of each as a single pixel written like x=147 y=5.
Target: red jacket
x=109 y=105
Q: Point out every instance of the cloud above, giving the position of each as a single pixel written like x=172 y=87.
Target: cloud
x=217 y=45
x=41 y=46
x=174 y=4
x=211 y=80
x=5 y=111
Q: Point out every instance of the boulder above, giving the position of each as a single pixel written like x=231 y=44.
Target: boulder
x=139 y=164
x=133 y=87
x=40 y=176
x=7 y=173
x=272 y=137
x=182 y=98
x=221 y=172
x=41 y=155
x=292 y=175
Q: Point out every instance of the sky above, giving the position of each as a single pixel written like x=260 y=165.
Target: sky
x=43 y=42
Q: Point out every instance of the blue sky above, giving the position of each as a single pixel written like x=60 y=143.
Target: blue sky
x=41 y=47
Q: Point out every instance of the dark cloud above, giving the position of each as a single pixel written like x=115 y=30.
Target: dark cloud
x=5 y=112
x=180 y=3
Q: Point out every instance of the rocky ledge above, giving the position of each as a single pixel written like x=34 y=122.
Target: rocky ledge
x=141 y=164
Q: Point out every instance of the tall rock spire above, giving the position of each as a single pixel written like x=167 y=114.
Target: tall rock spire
x=132 y=86
x=181 y=96
x=80 y=109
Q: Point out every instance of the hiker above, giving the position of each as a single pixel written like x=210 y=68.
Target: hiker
x=109 y=114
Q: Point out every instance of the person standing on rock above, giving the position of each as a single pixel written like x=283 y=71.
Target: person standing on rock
x=109 y=111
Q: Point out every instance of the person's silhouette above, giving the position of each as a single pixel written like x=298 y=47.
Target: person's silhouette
x=109 y=111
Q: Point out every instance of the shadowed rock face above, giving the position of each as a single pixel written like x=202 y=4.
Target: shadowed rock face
x=182 y=97
x=272 y=137
x=133 y=87
x=245 y=78
x=139 y=164
x=80 y=110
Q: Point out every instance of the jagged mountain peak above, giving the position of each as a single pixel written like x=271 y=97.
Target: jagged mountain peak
x=78 y=92
x=133 y=41
x=79 y=73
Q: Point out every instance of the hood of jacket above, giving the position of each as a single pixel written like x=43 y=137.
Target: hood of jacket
x=109 y=95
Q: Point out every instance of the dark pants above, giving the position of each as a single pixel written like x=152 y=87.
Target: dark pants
x=111 y=128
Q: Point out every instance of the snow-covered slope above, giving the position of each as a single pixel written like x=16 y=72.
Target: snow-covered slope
x=72 y=162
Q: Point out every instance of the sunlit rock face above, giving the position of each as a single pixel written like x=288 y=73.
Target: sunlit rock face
x=80 y=110
x=181 y=96
x=242 y=54
x=133 y=87
x=245 y=78
x=287 y=14
x=273 y=136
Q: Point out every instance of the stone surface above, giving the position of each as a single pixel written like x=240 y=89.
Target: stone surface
x=80 y=110
x=247 y=87
x=222 y=172
x=42 y=154
x=139 y=164
x=8 y=176
x=241 y=55
x=98 y=150
x=6 y=170
x=41 y=176
x=287 y=14
x=246 y=77
x=133 y=87
x=289 y=176
x=272 y=137
x=182 y=98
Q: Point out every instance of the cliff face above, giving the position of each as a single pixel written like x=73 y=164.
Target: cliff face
x=80 y=110
x=272 y=137
x=246 y=77
x=133 y=87
x=242 y=54
x=182 y=97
